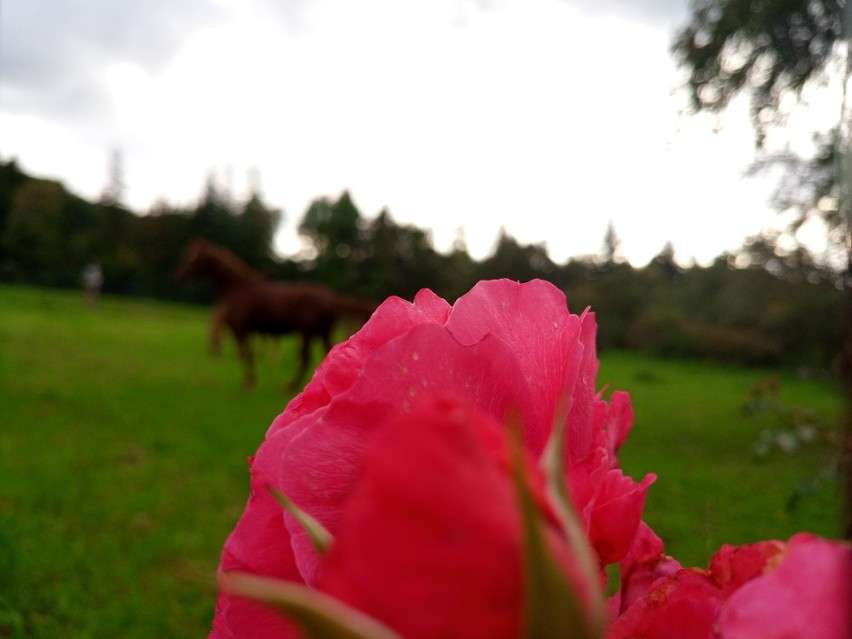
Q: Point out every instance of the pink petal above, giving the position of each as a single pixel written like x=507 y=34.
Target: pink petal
x=616 y=515
x=732 y=566
x=809 y=594
x=322 y=463
x=237 y=618
x=259 y=544
x=430 y=540
x=679 y=607
x=582 y=434
x=644 y=564
x=619 y=421
x=533 y=320
x=337 y=373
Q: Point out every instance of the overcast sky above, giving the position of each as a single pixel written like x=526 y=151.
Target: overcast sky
x=546 y=117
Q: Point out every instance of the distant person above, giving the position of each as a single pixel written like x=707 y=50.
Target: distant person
x=93 y=279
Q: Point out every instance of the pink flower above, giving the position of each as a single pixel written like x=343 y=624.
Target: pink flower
x=804 y=591
x=504 y=352
x=643 y=566
x=769 y=589
x=431 y=540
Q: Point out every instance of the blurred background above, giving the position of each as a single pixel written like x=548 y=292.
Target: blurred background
x=615 y=146
x=548 y=119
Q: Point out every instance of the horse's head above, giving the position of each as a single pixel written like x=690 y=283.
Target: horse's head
x=192 y=262
x=204 y=259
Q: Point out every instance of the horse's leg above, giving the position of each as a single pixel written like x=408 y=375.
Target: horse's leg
x=248 y=360
x=326 y=341
x=217 y=325
x=304 y=361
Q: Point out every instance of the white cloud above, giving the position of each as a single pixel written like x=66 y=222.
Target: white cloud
x=534 y=115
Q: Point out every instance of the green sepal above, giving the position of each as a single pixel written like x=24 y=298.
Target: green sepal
x=552 y=462
x=552 y=609
x=318 y=534
x=317 y=614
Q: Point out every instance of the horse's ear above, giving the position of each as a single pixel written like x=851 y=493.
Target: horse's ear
x=199 y=246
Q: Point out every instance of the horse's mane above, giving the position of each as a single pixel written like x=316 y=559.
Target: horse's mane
x=354 y=308
x=203 y=258
x=229 y=260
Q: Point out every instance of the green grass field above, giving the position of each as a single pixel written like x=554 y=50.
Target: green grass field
x=123 y=450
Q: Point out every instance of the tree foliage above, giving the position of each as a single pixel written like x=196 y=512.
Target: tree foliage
x=773 y=50
x=768 y=47
x=753 y=307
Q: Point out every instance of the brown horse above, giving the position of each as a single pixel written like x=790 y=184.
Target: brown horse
x=250 y=303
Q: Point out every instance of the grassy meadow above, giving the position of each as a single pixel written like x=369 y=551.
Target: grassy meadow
x=123 y=449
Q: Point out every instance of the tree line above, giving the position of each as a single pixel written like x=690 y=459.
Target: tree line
x=760 y=305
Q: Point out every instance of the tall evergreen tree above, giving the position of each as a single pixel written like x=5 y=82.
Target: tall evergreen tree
x=213 y=218
x=255 y=227
x=772 y=50
x=332 y=226
x=334 y=230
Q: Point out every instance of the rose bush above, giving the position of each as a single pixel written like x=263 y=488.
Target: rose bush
x=770 y=589
x=451 y=471
x=503 y=353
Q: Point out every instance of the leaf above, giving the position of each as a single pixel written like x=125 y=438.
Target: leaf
x=318 y=533
x=319 y=616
